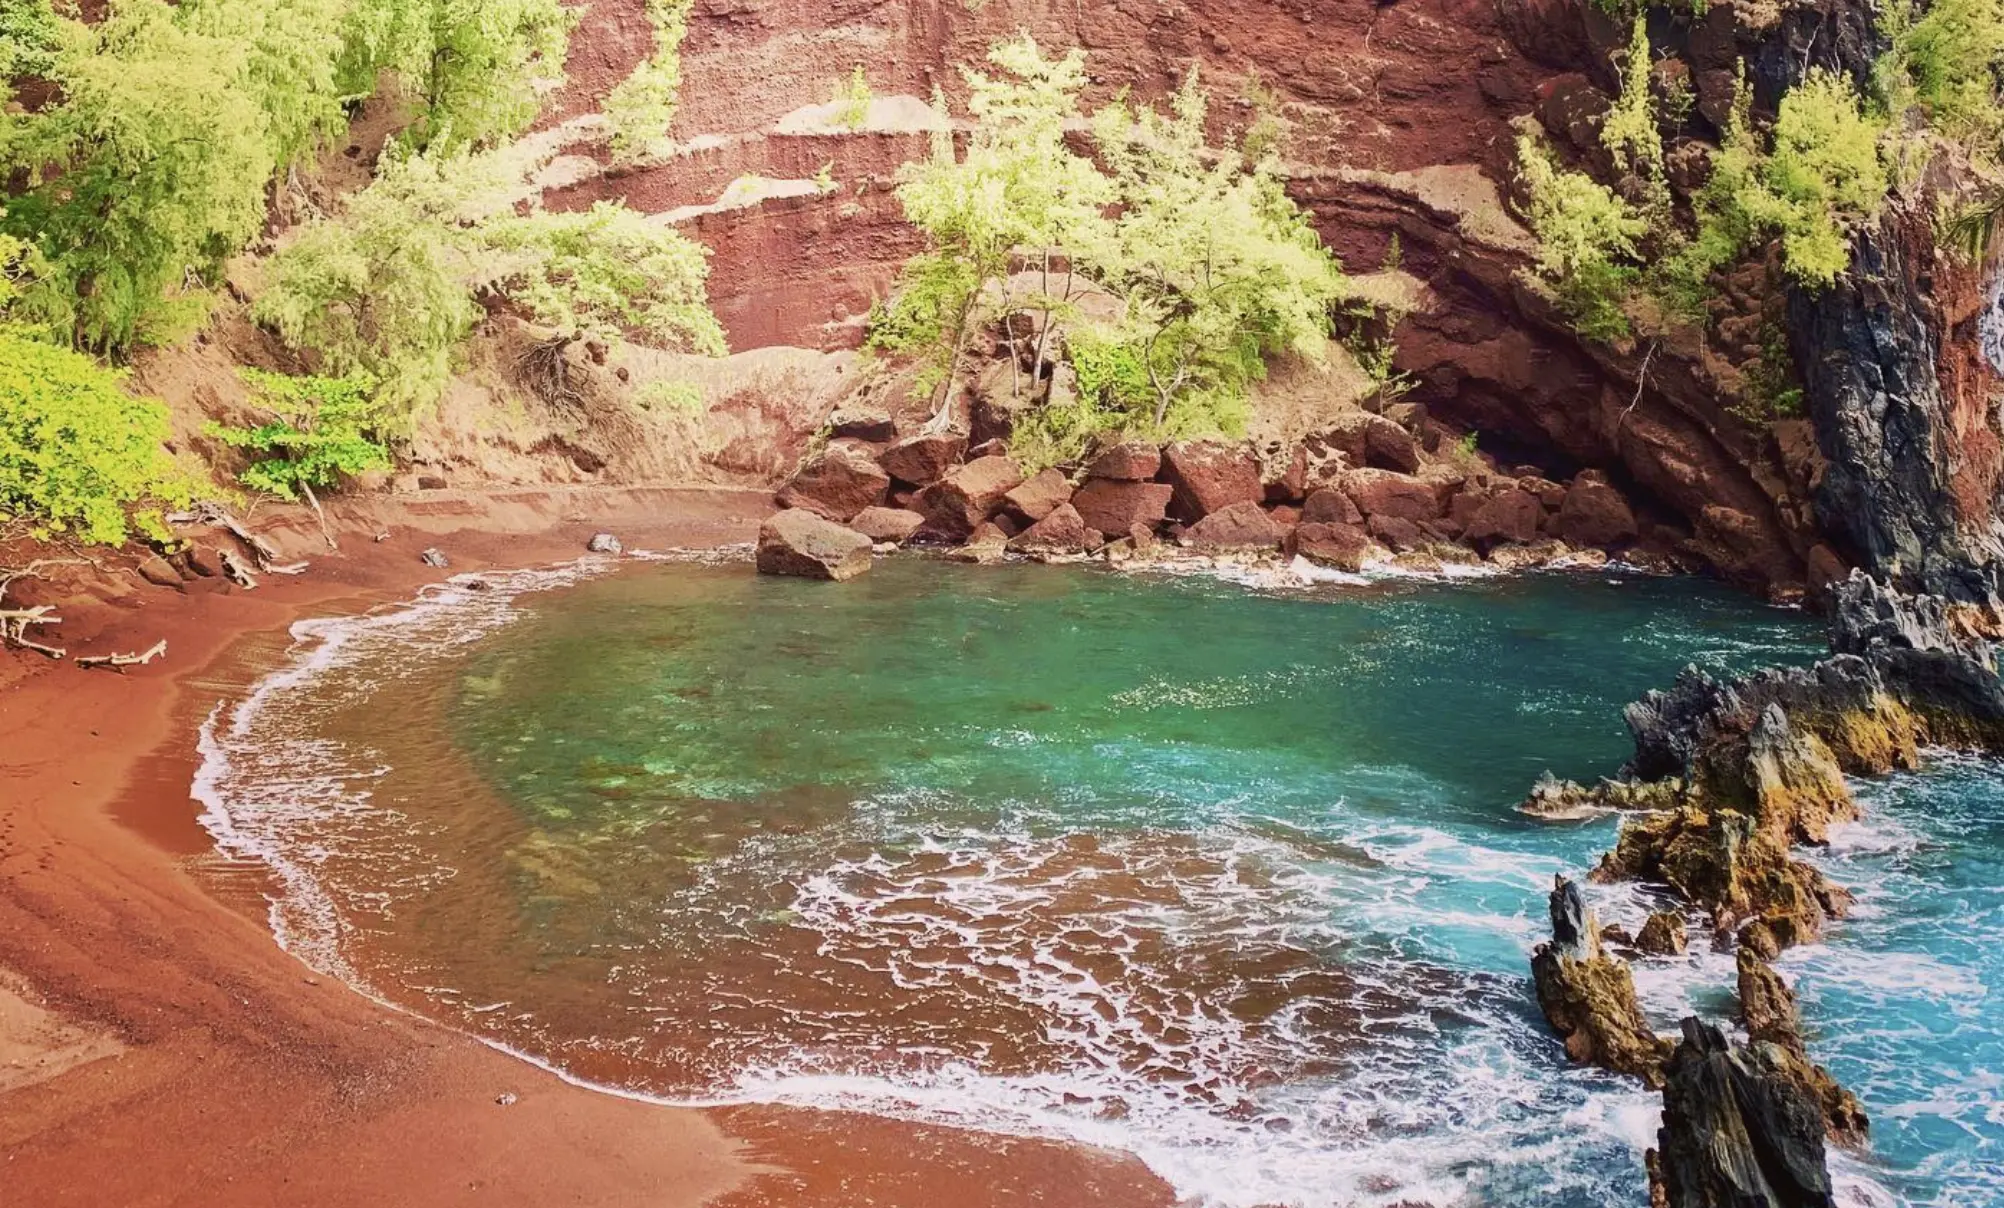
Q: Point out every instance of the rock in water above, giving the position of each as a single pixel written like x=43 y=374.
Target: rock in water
x=798 y=542
x=604 y=543
x=1737 y=1132
x=1589 y=996
x=1663 y=935
x=434 y=557
x=1767 y=1006
x=1569 y=916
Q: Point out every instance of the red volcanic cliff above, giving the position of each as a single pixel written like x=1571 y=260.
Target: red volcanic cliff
x=1398 y=119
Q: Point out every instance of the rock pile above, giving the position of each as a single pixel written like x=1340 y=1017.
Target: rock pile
x=1361 y=491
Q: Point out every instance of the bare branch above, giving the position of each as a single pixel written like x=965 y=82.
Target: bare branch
x=122 y=661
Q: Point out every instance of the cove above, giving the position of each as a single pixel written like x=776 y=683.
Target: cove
x=1227 y=878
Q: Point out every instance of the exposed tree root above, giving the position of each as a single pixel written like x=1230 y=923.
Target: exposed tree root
x=545 y=370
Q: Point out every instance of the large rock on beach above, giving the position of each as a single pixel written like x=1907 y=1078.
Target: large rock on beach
x=891 y=525
x=800 y=542
x=1343 y=547
x=1385 y=493
x=838 y=482
x=1594 y=513
x=1370 y=441
x=1039 y=496
x=1114 y=506
x=1242 y=526
x=1507 y=517
x=1210 y=476
x=1130 y=461
x=923 y=459
x=1062 y=533
x=958 y=503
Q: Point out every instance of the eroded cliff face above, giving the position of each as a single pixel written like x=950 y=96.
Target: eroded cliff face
x=1398 y=120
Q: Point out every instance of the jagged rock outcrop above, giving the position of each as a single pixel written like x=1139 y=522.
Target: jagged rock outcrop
x=1767 y=1007
x=1588 y=995
x=1738 y=1131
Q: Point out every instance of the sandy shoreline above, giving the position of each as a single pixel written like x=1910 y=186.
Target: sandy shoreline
x=156 y=1047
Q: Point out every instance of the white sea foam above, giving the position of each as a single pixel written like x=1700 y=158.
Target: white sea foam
x=262 y=804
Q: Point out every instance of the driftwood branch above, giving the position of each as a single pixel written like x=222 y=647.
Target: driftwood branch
x=122 y=661
x=237 y=572
x=215 y=514
x=14 y=622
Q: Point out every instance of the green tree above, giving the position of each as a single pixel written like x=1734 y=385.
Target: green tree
x=1017 y=186
x=1217 y=267
x=154 y=163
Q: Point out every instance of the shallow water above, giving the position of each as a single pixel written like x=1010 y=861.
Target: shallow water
x=1225 y=878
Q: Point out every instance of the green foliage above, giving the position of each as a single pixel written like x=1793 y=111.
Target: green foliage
x=1773 y=385
x=1629 y=130
x=1949 y=61
x=641 y=108
x=320 y=430
x=382 y=289
x=1217 y=267
x=478 y=70
x=391 y=286
x=668 y=395
x=1822 y=177
x=28 y=38
x=152 y=169
x=1586 y=241
x=78 y=453
x=153 y=165
x=608 y=272
x=852 y=100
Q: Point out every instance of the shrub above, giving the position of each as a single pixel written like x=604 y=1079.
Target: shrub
x=641 y=107
x=852 y=100
x=1218 y=268
x=1821 y=179
x=1016 y=186
x=320 y=430
x=391 y=286
x=79 y=455
x=1586 y=241
x=1949 y=61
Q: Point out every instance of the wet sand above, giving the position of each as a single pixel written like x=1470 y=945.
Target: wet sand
x=157 y=1048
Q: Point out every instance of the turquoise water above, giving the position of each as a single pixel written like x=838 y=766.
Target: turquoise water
x=1228 y=878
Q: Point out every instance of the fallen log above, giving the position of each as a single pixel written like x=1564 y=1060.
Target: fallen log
x=122 y=661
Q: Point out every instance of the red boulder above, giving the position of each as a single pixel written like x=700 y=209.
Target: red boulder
x=955 y=505
x=1508 y=517
x=1240 y=526
x=837 y=482
x=1040 y=496
x=1060 y=532
x=1341 y=546
x=1133 y=461
x=924 y=459
x=1387 y=493
x=1594 y=514
x=1117 y=507
x=1209 y=476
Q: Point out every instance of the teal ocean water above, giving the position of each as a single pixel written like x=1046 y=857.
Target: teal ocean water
x=1224 y=876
